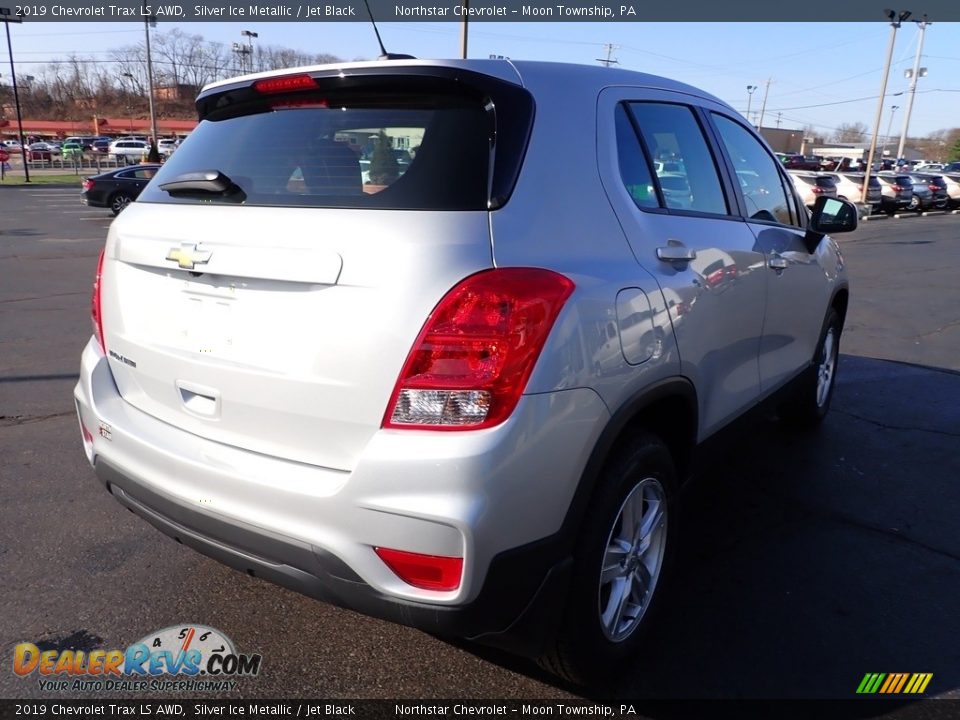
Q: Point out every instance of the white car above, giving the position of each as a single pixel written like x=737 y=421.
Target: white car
x=126 y=150
x=166 y=147
x=811 y=185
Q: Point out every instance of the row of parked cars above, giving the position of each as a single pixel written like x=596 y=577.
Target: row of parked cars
x=888 y=191
x=121 y=149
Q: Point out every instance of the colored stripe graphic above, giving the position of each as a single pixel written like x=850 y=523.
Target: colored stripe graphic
x=894 y=683
x=875 y=685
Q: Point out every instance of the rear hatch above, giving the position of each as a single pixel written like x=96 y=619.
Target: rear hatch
x=264 y=291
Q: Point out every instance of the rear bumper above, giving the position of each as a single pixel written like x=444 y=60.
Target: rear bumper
x=489 y=497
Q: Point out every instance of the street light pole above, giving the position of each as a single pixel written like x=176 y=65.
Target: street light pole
x=16 y=97
x=750 y=89
x=922 y=24
x=895 y=20
x=250 y=35
x=147 y=22
x=463 y=29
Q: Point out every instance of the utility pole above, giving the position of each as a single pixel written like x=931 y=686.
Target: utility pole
x=750 y=90
x=917 y=73
x=886 y=138
x=779 y=115
x=7 y=16
x=895 y=20
x=463 y=29
x=149 y=22
x=609 y=60
x=763 y=108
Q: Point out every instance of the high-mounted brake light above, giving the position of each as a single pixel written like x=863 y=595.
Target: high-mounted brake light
x=291 y=83
x=474 y=355
x=429 y=572
x=96 y=314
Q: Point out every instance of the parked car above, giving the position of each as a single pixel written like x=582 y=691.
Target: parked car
x=364 y=397
x=850 y=187
x=128 y=150
x=934 y=182
x=101 y=145
x=71 y=150
x=166 y=146
x=896 y=192
x=922 y=194
x=795 y=161
x=118 y=188
x=953 y=167
x=810 y=186
x=40 y=151
x=952 y=183
x=928 y=167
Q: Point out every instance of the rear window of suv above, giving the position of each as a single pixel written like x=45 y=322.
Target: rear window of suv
x=392 y=146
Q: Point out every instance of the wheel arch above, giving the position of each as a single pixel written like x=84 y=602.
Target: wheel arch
x=840 y=301
x=667 y=409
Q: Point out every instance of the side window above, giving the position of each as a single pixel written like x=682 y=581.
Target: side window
x=634 y=170
x=757 y=172
x=686 y=171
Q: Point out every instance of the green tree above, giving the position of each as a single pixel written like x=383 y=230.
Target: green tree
x=383 y=163
x=955 y=151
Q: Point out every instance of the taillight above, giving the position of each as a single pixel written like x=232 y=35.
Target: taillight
x=933 y=188
x=817 y=190
x=897 y=188
x=96 y=315
x=429 y=572
x=87 y=184
x=474 y=355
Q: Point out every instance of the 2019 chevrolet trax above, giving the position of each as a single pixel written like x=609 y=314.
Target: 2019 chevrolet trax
x=435 y=340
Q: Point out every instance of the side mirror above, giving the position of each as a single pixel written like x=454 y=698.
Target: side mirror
x=831 y=216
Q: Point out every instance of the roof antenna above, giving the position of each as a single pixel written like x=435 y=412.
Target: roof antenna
x=384 y=55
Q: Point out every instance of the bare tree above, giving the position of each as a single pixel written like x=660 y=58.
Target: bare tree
x=851 y=133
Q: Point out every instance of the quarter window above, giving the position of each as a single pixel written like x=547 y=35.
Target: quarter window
x=634 y=169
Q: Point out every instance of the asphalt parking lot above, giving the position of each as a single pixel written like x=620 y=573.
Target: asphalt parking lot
x=807 y=561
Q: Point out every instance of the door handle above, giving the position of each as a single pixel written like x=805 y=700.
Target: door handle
x=675 y=253
x=777 y=263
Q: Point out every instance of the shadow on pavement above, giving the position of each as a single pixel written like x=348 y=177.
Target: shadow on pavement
x=808 y=560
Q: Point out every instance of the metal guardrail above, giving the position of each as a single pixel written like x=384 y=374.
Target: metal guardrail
x=78 y=164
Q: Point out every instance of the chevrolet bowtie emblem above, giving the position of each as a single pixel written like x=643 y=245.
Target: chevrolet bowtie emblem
x=187 y=256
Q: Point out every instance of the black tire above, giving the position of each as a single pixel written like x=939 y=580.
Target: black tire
x=811 y=399
x=584 y=650
x=119 y=201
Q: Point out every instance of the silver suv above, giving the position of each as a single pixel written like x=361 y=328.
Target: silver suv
x=461 y=394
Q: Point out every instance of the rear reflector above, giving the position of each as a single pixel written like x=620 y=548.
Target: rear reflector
x=428 y=572
x=474 y=355
x=291 y=83
x=96 y=315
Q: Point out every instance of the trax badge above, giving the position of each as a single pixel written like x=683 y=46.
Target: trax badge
x=188 y=256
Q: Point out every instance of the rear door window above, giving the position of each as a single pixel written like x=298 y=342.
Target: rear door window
x=761 y=182
x=686 y=171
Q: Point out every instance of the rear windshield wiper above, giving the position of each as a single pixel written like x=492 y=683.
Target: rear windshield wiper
x=204 y=183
